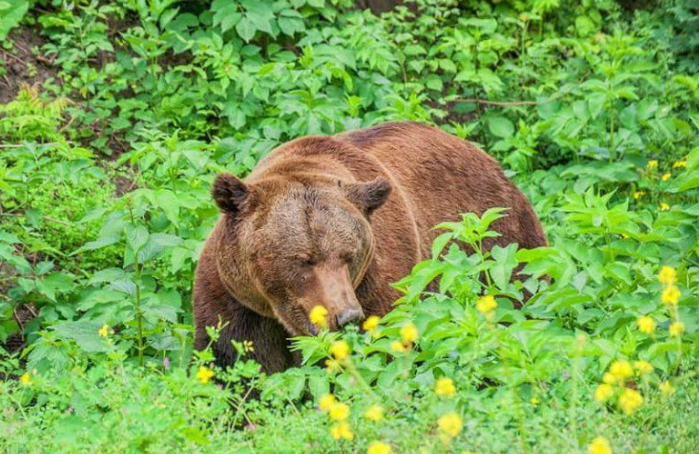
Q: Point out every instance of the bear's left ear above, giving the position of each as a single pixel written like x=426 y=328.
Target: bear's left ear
x=370 y=195
x=231 y=194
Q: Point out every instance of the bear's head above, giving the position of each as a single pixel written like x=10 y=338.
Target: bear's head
x=285 y=246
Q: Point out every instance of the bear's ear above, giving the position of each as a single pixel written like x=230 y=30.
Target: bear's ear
x=370 y=195
x=230 y=193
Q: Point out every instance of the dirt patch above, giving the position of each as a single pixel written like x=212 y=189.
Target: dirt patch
x=22 y=66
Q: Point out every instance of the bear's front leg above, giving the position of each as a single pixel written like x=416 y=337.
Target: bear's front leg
x=270 y=347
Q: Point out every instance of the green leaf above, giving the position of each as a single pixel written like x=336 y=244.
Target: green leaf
x=246 y=29
x=11 y=15
x=501 y=127
x=136 y=237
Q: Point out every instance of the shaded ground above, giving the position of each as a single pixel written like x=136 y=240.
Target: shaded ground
x=21 y=65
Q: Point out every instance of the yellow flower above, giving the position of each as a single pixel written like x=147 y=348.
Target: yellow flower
x=621 y=370
x=604 y=392
x=664 y=206
x=643 y=367
x=248 y=347
x=671 y=295
x=370 y=324
x=378 y=447
x=638 y=194
x=408 y=333
x=652 y=164
x=679 y=164
x=608 y=378
x=326 y=402
x=646 y=324
x=339 y=412
x=450 y=424
x=204 y=374
x=445 y=387
x=374 y=413
x=599 y=445
x=319 y=316
x=340 y=350
x=667 y=275
x=534 y=401
x=666 y=388
x=332 y=365
x=25 y=379
x=486 y=304
x=630 y=400
x=676 y=329
x=341 y=430
x=104 y=331
x=666 y=176
x=398 y=347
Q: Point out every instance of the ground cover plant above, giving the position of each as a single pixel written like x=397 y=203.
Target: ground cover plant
x=115 y=116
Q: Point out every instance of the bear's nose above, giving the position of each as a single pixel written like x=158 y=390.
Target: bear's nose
x=349 y=316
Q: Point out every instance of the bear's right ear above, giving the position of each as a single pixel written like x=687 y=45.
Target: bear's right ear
x=230 y=193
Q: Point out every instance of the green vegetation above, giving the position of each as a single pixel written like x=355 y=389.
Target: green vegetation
x=106 y=165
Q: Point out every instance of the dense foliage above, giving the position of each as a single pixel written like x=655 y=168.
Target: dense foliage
x=592 y=106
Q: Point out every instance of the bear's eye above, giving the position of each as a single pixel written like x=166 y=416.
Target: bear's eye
x=346 y=256
x=306 y=259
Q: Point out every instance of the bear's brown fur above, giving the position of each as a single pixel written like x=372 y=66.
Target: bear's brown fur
x=301 y=231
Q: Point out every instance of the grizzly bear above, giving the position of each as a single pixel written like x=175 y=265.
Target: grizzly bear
x=332 y=221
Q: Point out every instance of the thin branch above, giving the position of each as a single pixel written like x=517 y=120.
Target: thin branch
x=502 y=103
x=19 y=145
x=57 y=221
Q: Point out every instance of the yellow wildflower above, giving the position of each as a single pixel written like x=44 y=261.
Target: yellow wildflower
x=341 y=430
x=445 y=387
x=671 y=295
x=638 y=194
x=398 y=347
x=646 y=324
x=326 y=402
x=486 y=304
x=604 y=392
x=643 y=367
x=599 y=445
x=666 y=176
x=621 y=369
x=609 y=378
x=679 y=164
x=534 y=401
x=667 y=275
x=666 y=388
x=248 y=347
x=664 y=206
x=408 y=333
x=319 y=316
x=204 y=374
x=371 y=323
x=339 y=412
x=450 y=424
x=340 y=350
x=374 y=413
x=104 y=331
x=25 y=379
x=652 y=164
x=332 y=365
x=630 y=400
x=676 y=329
x=378 y=447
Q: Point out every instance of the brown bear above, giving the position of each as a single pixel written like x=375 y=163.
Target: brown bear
x=332 y=221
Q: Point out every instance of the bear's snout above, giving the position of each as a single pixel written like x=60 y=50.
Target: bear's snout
x=348 y=316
